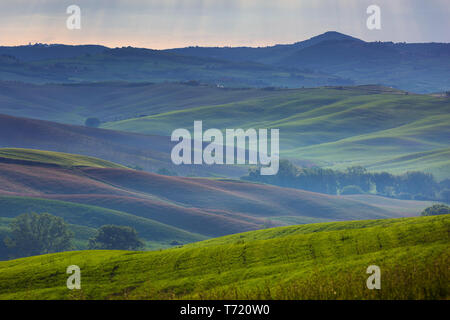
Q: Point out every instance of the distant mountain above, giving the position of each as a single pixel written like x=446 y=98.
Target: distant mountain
x=38 y=52
x=422 y=67
x=267 y=55
x=412 y=67
x=73 y=64
x=331 y=58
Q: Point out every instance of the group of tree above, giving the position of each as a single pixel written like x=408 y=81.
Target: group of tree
x=92 y=122
x=111 y=237
x=436 y=209
x=356 y=180
x=33 y=234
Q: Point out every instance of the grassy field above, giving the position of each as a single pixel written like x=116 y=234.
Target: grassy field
x=377 y=127
x=165 y=208
x=55 y=158
x=317 y=261
x=147 y=152
x=84 y=219
x=380 y=128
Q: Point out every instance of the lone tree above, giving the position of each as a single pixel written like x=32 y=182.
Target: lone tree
x=34 y=234
x=92 y=122
x=435 y=210
x=113 y=237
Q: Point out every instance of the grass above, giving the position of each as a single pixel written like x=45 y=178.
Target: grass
x=377 y=127
x=199 y=206
x=317 y=261
x=55 y=158
x=356 y=125
x=83 y=219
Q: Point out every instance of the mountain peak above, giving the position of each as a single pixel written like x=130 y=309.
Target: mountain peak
x=334 y=35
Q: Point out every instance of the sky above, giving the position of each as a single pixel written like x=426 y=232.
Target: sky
x=161 y=24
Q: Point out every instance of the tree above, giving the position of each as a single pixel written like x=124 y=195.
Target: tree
x=113 y=237
x=357 y=176
x=445 y=195
x=92 y=122
x=435 y=210
x=418 y=183
x=351 y=190
x=34 y=234
x=4 y=250
x=166 y=172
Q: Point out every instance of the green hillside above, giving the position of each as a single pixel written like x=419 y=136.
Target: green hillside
x=55 y=158
x=378 y=127
x=318 y=261
x=83 y=219
x=210 y=207
x=335 y=127
x=111 y=101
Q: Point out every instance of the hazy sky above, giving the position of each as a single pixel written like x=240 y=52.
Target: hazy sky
x=176 y=23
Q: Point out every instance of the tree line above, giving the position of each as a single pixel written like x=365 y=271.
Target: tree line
x=356 y=180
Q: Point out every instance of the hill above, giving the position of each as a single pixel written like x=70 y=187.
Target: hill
x=207 y=207
x=372 y=126
x=43 y=52
x=331 y=58
x=415 y=67
x=72 y=64
x=377 y=127
x=319 y=261
x=266 y=55
x=84 y=219
x=112 y=101
x=40 y=157
x=148 y=152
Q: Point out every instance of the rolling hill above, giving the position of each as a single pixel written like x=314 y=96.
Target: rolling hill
x=149 y=152
x=84 y=219
x=40 y=157
x=199 y=206
x=377 y=127
x=372 y=126
x=318 y=261
x=112 y=101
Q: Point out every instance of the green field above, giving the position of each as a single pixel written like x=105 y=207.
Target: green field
x=379 y=128
x=84 y=219
x=55 y=158
x=317 y=261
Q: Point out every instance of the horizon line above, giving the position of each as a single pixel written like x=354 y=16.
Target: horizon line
x=216 y=46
